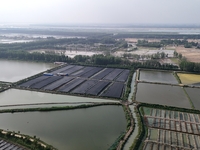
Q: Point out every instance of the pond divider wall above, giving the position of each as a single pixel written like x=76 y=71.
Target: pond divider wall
x=191 y=103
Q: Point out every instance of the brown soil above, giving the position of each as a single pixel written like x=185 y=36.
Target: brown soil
x=192 y=54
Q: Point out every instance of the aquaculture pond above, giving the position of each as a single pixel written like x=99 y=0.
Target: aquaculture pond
x=157 y=76
x=194 y=94
x=17 y=97
x=12 y=71
x=174 y=128
x=162 y=94
x=191 y=79
x=92 y=128
x=82 y=80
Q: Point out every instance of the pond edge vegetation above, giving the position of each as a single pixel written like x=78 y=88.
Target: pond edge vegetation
x=22 y=140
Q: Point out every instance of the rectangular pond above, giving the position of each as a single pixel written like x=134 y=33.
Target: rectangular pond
x=162 y=94
x=158 y=76
x=17 y=97
x=194 y=94
x=12 y=70
x=82 y=81
x=92 y=128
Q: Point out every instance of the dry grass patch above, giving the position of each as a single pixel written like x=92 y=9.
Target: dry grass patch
x=189 y=78
x=192 y=54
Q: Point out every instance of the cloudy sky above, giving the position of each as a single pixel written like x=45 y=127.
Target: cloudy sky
x=100 y=11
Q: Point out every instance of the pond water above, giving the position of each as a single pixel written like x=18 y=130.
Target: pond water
x=92 y=128
x=12 y=71
x=194 y=94
x=162 y=94
x=16 y=97
x=158 y=76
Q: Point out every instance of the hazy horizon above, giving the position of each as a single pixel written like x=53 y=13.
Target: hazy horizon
x=104 y=12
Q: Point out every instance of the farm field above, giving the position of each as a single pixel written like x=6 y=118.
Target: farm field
x=157 y=76
x=192 y=54
x=162 y=94
x=96 y=81
x=189 y=79
x=171 y=129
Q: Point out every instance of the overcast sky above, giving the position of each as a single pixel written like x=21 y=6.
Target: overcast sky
x=100 y=11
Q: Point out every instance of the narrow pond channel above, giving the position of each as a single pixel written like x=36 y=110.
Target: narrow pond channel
x=135 y=132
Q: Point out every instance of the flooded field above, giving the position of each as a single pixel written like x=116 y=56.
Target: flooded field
x=92 y=128
x=192 y=79
x=194 y=94
x=17 y=97
x=9 y=41
x=157 y=76
x=145 y=52
x=12 y=71
x=162 y=94
x=69 y=53
x=72 y=54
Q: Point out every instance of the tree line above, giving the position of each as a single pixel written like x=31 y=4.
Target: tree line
x=60 y=44
x=189 y=66
x=162 y=43
x=148 y=35
x=100 y=60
